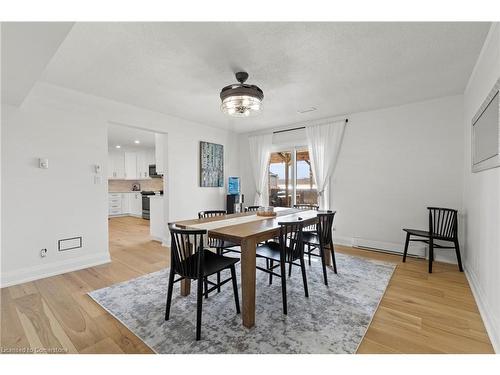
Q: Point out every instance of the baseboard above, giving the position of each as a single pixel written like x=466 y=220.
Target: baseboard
x=415 y=249
x=492 y=326
x=27 y=274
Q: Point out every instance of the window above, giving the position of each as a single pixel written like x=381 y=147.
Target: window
x=280 y=179
x=290 y=179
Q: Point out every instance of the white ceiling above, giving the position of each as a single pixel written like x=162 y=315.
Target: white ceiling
x=339 y=68
x=27 y=48
x=125 y=137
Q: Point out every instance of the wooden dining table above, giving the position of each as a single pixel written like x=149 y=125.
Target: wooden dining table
x=247 y=230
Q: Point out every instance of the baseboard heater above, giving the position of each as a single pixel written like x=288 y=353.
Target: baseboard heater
x=387 y=248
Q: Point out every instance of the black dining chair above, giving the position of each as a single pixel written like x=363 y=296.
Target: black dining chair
x=251 y=208
x=287 y=250
x=443 y=226
x=307 y=206
x=222 y=247
x=322 y=240
x=190 y=260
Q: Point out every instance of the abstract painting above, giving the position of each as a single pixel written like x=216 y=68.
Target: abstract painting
x=211 y=164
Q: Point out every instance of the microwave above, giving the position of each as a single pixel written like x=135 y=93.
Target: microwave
x=152 y=171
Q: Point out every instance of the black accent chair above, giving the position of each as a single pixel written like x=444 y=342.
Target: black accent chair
x=190 y=260
x=289 y=249
x=222 y=247
x=443 y=226
x=321 y=240
x=251 y=208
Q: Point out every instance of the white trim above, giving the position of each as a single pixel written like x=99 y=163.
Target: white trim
x=27 y=274
x=490 y=322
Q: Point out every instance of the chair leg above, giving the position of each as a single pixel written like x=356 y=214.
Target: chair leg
x=407 y=242
x=169 y=293
x=283 y=285
x=290 y=270
x=304 y=277
x=334 y=262
x=198 y=308
x=219 y=252
x=205 y=283
x=271 y=262
x=431 y=254
x=235 y=289
x=309 y=253
x=323 y=263
x=459 y=258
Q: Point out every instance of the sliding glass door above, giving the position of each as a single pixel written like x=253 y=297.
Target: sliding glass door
x=290 y=179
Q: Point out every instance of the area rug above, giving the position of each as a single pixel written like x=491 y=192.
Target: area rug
x=333 y=319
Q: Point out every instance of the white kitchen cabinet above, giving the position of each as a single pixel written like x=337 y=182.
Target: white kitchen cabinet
x=116 y=165
x=135 y=204
x=126 y=203
x=115 y=204
x=130 y=165
x=143 y=161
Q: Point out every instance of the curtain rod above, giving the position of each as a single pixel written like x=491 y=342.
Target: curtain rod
x=297 y=128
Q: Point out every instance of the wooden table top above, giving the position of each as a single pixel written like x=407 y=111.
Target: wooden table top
x=260 y=227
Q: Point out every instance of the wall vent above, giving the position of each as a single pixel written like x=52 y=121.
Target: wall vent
x=69 y=243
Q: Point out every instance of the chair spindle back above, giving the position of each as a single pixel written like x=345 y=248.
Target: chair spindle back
x=186 y=250
x=290 y=240
x=443 y=222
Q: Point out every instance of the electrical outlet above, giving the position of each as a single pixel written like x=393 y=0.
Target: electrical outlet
x=43 y=253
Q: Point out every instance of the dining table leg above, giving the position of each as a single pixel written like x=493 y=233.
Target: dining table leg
x=248 y=272
x=185 y=287
x=327 y=256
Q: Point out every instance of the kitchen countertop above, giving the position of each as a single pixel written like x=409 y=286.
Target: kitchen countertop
x=118 y=192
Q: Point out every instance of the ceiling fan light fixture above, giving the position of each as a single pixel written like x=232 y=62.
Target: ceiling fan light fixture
x=241 y=100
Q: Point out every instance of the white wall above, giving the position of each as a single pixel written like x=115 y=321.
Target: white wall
x=394 y=162
x=482 y=197
x=70 y=129
x=41 y=206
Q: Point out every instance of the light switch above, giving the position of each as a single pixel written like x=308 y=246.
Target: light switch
x=43 y=163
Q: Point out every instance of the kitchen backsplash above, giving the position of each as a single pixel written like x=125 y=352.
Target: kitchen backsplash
x=154 y=184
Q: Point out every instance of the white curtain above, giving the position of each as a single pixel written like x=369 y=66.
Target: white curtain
x=260 y=152
x=324 y=143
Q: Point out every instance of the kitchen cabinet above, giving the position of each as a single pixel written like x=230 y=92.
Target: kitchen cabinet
x=130 y=165
x=143 y=161
x=114 y=204
x=135 y=204
x=126 y=203
x=116 y=165
x=129 y=203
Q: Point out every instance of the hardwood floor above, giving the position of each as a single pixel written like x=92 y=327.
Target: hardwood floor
x=419 y=313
